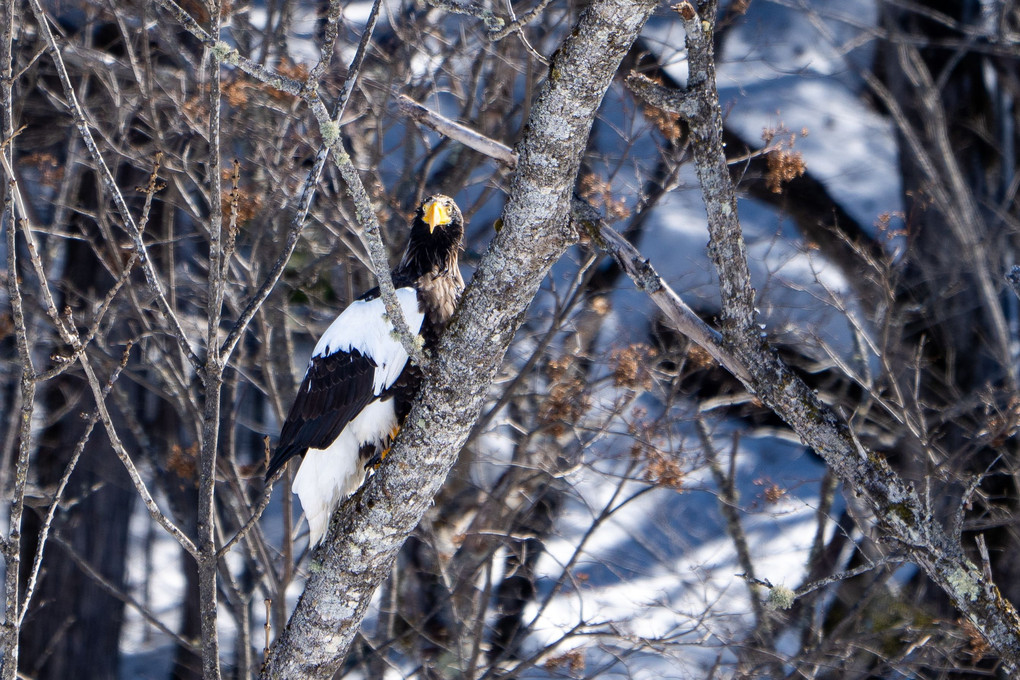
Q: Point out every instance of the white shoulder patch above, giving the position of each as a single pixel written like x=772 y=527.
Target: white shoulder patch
x=363 y=326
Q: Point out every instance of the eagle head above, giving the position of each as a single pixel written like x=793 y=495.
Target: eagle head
x=436 y=235
x=440 y=212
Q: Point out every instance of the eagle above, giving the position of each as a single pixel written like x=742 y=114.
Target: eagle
x=359 y=383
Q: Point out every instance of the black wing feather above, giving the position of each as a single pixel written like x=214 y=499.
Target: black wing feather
x=334 y=390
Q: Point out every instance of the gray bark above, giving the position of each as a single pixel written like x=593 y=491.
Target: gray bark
x=368 y=532
x=903 y=519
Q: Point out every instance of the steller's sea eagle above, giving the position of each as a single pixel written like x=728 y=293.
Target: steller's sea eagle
x=359 y=385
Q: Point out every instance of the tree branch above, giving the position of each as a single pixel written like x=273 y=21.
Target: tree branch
x=212 y=371
x=12 y=542
x=368 y=531
x=110 y=184
x=10 y=545
x=903 y=518
x=454 y=130
x=644 y=276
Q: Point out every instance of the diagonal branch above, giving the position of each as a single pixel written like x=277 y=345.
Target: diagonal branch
x=124 y=597
x=903 y=517
x=454 y=130
x=644 y=276
x=369 y=530
x=307 y=193
x=110 y=183
x=369 y=224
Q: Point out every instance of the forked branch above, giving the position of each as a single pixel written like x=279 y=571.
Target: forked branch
x=904 y=519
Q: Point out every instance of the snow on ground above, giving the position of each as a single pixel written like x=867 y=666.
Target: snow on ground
x=155 y=580
x=799 y=66
x=662 y=566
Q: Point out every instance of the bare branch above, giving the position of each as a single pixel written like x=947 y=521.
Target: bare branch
x=644 y=276
x=11 y=544
x=472 y=9
x=252 y=521
x=844 y=575
x=110 y=184
x=461 y=133
x=902 y=514
x=333 y=15
x=517 y=24
x=366 y=534
x=208 y=557
x=125 y=458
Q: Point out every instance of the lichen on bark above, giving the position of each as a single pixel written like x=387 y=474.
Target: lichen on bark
x=536 y=231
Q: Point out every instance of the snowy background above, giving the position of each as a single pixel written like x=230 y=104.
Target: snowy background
x=659 y=565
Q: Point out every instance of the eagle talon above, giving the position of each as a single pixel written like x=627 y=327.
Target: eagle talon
x=375 y=461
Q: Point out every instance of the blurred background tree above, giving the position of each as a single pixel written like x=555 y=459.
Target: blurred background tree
x=874 y=145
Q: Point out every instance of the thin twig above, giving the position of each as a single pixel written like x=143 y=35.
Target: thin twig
x=126 y=598
x=730 y=509
x=729 y=506
x=151 y=189
x=121 y=451
x=844 y=575
x=110 y=184
x=307 y=193
x=267 y=628
x=354 y=71
x=252 y=521
x=44 y=531
x=517 y=27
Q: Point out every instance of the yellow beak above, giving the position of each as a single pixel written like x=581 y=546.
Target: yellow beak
x=436 y=214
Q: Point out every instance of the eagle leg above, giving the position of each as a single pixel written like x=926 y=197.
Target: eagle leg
x=377 y=458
